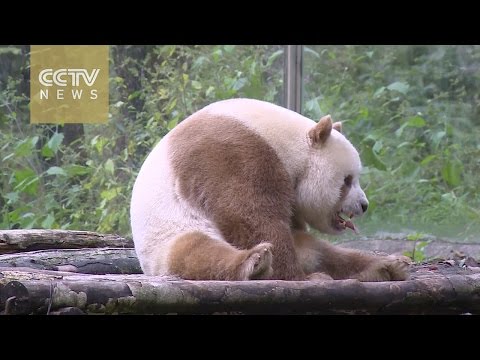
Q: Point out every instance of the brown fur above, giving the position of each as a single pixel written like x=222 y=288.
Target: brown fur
x=232 y=175
x=337 y=126
x=320 y=133
x=340 y=263
x=344 y=191
x=195 y=256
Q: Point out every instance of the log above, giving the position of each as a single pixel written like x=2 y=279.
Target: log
x=439 y=289
x=88 y=261
x=27 y=240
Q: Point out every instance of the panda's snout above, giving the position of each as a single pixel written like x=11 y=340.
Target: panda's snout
x=364 y=206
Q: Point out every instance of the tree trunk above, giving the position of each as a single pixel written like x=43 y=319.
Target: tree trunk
x=27 y=240
x=86 y=261
x=440 y=291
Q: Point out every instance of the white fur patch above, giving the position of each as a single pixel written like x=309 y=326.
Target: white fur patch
x=158 y=213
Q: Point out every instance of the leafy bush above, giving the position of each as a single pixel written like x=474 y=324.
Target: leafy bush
x=81 y=178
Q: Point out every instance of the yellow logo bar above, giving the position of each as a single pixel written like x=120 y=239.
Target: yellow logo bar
x=68 y=84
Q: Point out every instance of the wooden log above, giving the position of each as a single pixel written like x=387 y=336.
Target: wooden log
x=27 y=240
x=87 y=261
x=27 y=291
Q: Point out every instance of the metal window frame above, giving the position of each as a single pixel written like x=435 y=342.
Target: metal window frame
x=293 y=77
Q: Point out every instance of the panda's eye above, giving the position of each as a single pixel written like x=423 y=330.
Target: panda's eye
x=348 y=180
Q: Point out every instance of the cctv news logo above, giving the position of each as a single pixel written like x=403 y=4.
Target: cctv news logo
x=68 y=84
x=65 y=77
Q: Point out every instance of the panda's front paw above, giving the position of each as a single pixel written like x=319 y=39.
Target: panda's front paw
x=387 y=268
x=258 y=264
x=398 y=267
x=319 y=276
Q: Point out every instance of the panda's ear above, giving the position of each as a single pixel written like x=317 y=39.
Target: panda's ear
x=337 y=126
x=321 y=131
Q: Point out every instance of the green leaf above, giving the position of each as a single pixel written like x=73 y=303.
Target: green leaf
x=172 y=123
x=52 y=146
x=416 y=121
x=28 y=220
x=437 y=137
x=371 y=158
x=399 y=131
x=73 y=170
x=26 y=181
x=403 y=144
x=306 y=50
x=363 y=113
x=277 y=54
x=110 y=194
x=401 y=87
x=238 y=84
x=48 y=222
x=449 y=129
x=8 y=157
x=134 y=95
x=427 y=160
x=452 y=172
x=55 y=170
x=378 y=146
x=47 y=152
x=196 y=85
x=199 y=62
x=171 y=106
x=109 y=166
x=419 y=256
x=26 y=146
x=12 y=197
x=313 y=107
x=23 y=174
x=209 y=90
x=415 y=236
x=98 y=143
x=55 y=141
x=216 y=55
x=379 y=92
x=449 y=197
x=438 y=55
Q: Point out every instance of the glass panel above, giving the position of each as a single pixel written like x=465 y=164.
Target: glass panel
x=81 y=176
x=413 y=112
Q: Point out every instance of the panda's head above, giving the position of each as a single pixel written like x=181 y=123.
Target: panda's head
x=329 y=193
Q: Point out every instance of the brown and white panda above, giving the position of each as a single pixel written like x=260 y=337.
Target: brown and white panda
x=228 y=193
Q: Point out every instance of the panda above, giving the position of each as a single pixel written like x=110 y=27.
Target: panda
x=230 y=193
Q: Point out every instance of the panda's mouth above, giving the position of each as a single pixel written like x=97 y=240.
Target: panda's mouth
x=340 y=224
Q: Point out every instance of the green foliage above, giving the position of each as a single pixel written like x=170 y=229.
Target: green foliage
x=417 y=254
x=86 y=184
